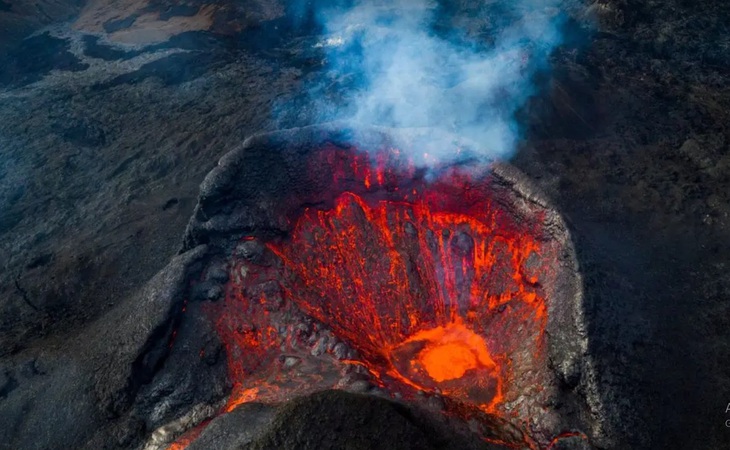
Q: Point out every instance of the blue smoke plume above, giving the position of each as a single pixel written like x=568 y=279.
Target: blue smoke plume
x=408 y=70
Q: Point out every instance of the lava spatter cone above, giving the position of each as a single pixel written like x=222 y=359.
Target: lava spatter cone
x=343 y=257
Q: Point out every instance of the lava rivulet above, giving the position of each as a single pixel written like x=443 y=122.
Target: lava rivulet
x=433 y=284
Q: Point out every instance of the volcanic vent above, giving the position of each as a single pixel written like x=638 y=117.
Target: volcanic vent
x=341 y=265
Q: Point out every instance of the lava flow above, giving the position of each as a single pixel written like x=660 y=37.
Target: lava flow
x=430 y=286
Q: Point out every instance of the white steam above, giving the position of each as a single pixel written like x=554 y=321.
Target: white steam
x=407 y=75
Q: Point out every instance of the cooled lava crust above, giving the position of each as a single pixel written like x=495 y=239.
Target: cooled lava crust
x=346 y=266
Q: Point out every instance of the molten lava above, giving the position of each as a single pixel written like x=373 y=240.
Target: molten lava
x=449 y=352
x=446 y=361
x=435 y=285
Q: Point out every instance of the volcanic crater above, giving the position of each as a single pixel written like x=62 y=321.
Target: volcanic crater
x=334 y=262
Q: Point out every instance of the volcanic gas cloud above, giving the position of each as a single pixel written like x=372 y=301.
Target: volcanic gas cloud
x=419 y=285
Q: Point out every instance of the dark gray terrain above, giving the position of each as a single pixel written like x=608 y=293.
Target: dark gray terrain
x=105 y=140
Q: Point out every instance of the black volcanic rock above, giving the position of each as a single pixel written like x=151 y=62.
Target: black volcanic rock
x=34 y=57
x=20 y=19
x=100 y=372
x=334 y=419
